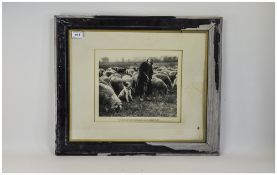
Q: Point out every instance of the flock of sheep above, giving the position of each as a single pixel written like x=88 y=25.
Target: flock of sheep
x=117 y=84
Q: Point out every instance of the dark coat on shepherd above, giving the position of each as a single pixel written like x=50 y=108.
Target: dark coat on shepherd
x=144 y=79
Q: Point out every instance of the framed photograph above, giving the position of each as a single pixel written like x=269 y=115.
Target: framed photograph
x=129 y=85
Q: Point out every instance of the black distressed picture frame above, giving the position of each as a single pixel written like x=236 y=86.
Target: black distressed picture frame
x=62 y=26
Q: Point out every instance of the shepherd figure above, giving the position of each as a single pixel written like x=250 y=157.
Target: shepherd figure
x=144 y=79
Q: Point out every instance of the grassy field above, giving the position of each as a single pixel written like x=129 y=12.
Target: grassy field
x=162 y=106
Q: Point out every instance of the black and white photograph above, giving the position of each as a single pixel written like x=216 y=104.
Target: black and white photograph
x=138 y=83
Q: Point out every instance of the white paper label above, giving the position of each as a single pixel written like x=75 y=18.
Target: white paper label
x=77 y=35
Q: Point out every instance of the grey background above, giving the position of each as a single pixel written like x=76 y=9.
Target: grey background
x=247 y=125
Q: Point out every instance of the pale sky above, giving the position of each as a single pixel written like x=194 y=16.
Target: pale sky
x=135 y=55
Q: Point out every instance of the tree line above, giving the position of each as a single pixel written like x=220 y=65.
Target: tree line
x=155 y=59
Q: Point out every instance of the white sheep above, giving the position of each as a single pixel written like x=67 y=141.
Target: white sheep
x=108 y=100
x=122 y=89
x=159 y=86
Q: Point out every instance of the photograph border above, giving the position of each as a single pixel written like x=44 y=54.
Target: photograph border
x=213 y=25
x=155 y=119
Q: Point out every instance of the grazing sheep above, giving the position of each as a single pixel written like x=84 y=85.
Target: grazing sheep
x=156 y=72
x=128 y=80
x=121 y=70
x=101 y=71
x=159 y=86
x=115 y=75
x=108 y=101
x=162 y=68
x=122 y=89
x=133 y=67
x=117 y=84
x=105 y=80
x=166 y=72
x=174 y=84
x=111 y=69
x=130 y=71
x=135 y=80
x=172 y=69
x=165 y=78
x=109 y=72
x=172 y=75
x=126 y=93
